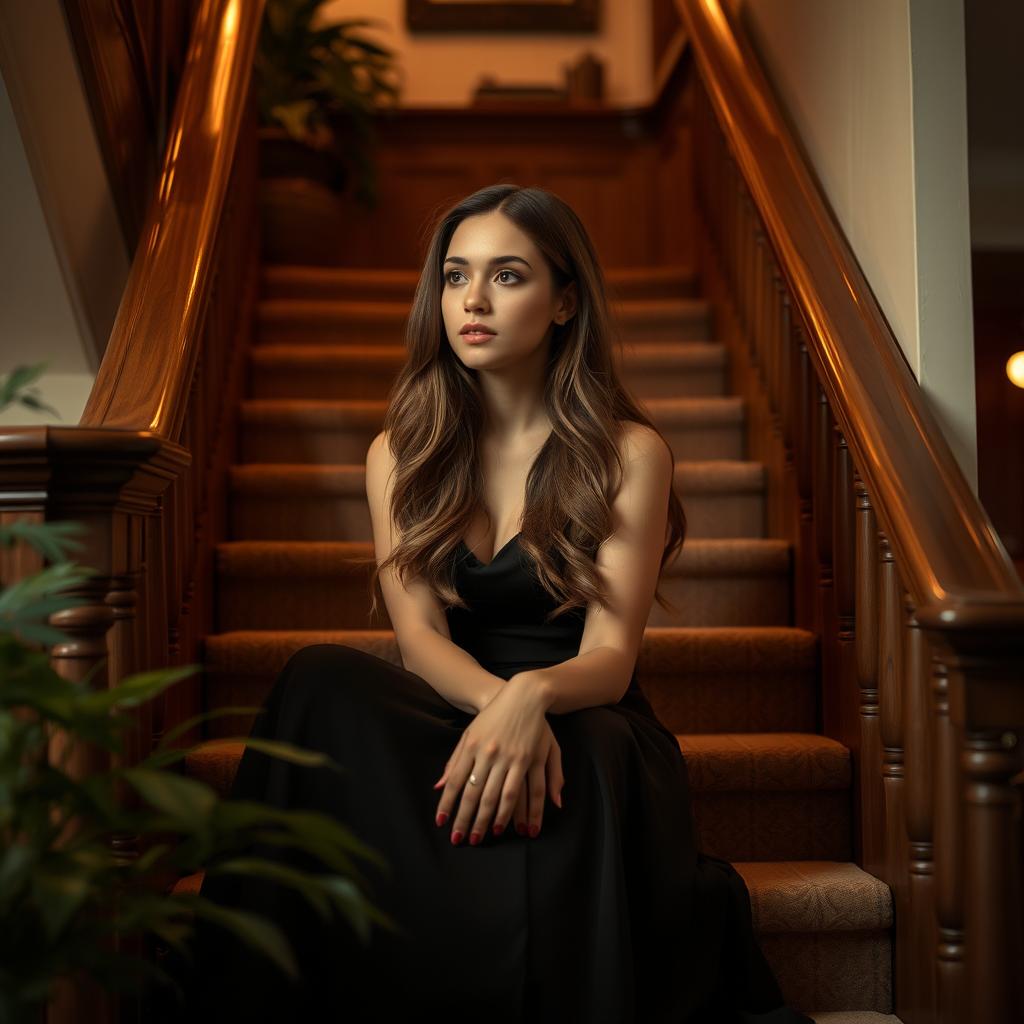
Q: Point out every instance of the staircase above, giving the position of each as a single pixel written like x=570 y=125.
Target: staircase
x=728 y=673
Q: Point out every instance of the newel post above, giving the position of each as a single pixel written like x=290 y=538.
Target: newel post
x=983 y=653
x=110 y=481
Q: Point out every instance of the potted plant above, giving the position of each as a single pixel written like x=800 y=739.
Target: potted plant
x=69 y=906
x=320 y=88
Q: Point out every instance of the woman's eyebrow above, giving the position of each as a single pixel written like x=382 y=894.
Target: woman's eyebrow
x=491 y=262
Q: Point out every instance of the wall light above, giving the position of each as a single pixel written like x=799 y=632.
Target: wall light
x=1015 y=369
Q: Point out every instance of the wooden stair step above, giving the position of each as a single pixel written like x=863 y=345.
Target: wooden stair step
x=361 y=321
x=752 y=679
x=824 y=927
x=296 y=281
x=320 y=431
x=296 y=501
x=770 y=795
x=649 y=368
x=316 y=584
x=742 y=785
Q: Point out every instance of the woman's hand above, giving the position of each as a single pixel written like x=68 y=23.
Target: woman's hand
x=508 y=743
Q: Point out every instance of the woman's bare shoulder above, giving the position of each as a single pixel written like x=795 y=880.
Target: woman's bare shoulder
x=639 y=441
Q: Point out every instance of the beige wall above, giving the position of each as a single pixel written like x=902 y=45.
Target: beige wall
x=876 y=91
x=63 y=261
x=443 y=68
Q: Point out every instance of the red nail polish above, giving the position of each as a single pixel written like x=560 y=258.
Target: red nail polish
x=442 y=817
x=456 y=838
x=474 y=838
x=520 y=828
x=534 y=829
x=498 y=829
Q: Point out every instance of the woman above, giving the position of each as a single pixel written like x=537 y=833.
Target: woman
x=522 y=509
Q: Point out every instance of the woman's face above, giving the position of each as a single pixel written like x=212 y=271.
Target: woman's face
x=495 y=275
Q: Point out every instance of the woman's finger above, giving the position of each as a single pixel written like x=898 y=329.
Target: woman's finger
x=521 y=813
x=554 y=772
x=509 y=799
x=451 y=760
x=489 y=800
x=535 y=798
x=471 y=792
x=447 y=801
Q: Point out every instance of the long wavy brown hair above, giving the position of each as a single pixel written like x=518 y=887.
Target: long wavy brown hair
x=435 y=412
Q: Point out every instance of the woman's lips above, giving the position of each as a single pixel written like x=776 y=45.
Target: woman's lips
x=476 y=337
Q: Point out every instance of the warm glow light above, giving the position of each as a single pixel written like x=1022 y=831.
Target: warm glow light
x=1015 y=368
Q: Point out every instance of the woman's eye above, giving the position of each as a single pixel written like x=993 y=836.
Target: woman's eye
x=448 y=276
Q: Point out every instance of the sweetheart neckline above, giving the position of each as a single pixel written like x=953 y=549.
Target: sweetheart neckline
x=495 y=556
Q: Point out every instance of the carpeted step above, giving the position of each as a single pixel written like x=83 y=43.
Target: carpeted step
x=284 y=281
x=318 y=431
x=825 y=928
x=731 y=679
x=770 y=795
x=854 y=1017
x=320 y=584
x=285 y=501
x=727 y=582
x=697 y=680
x=743 y=785
x=657 y=369
x=364 y=322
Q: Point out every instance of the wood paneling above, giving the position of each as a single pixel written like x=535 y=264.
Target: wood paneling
x=625 y=172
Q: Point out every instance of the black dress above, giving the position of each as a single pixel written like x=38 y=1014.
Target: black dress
x=611 y=915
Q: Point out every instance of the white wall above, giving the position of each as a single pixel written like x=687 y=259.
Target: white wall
x=876 y=91
x=443 y=68
x=63 y=261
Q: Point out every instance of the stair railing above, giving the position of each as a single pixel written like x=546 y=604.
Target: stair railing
x=146 y=466
x=899 y=570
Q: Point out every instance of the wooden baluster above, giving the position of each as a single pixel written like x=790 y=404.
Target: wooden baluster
x=805 y=574
x=919 y=992
x=776 y=342
x=757 y=334
x=871 y=837
x=984 y=672
x=822 y=442
x=951 y=965
x=890 y=693
x=991 y=758
x=841 y=704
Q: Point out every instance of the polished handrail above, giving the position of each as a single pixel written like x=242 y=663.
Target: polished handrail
x=147 y=369
x=951 y=555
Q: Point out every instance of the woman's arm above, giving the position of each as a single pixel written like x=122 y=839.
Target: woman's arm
x=453 y=672
x=628 y=563
x=600 y=676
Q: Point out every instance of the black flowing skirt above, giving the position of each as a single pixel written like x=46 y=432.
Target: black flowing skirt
x=611 y=915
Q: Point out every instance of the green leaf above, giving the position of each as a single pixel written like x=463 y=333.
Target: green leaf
x=186 y=800
x=254 y=930
x=205 y=716
x=303 y=882
x=20 y=594
x=137 y=689
x=59 y=895
x=52 y=540
x=17 y=380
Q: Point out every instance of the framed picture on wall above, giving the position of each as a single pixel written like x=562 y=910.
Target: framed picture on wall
x=501 y=15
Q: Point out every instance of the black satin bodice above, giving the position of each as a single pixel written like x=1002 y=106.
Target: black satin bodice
x=504 y=627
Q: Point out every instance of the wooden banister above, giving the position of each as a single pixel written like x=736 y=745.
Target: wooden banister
x=146 y=467
x=899 y=569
